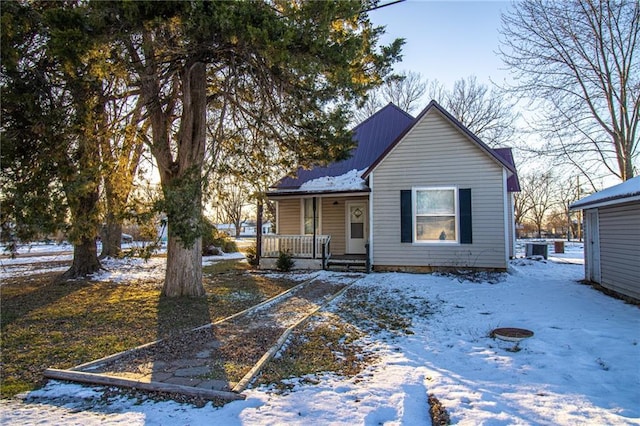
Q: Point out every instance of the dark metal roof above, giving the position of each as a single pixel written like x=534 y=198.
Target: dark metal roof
x=281 y=193
x=513 y=183
x=377 y=136
x=372 y=136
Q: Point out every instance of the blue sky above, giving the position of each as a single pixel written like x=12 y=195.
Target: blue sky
x=446 y=40
x=450 y=40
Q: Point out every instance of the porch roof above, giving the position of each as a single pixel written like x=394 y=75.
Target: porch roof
x=302 y=193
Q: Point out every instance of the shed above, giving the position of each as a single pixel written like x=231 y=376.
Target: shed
x=612 y=237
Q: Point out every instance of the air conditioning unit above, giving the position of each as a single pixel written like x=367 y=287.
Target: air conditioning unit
x=536 y=249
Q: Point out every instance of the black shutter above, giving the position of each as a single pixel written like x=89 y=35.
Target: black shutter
x=406 y=218
x=464 y=205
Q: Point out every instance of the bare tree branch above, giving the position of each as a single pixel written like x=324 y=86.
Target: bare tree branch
x=576 y=61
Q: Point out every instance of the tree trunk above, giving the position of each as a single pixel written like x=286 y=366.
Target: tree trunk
x=121 y=162
x=238 y=226
x=182 y=179
x=184 y=267
x=111 y=236
x=85 y=259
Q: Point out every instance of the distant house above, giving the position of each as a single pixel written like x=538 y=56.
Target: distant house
x=227 y=228
x=247 y=228
x=267 y=227
x=417 y=194
x=612 y=237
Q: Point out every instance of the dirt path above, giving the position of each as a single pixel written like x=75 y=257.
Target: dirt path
x=216 y=357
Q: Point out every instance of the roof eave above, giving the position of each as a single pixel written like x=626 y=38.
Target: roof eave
x=605 y=202
x=298 y=193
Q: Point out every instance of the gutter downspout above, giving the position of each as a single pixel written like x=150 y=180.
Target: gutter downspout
x=370 y=218
x=505 y=201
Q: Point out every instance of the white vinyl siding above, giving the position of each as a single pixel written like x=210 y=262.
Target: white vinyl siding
x=620 y=248
x=435 y=153
x=511 y=225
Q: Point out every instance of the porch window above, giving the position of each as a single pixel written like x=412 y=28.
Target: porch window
x=307 y=218
x=435 y=215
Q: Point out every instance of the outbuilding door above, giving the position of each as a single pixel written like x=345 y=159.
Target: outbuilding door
x=356 y=227
x=592 y=249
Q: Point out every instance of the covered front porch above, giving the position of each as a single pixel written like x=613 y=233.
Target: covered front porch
x=309 y=252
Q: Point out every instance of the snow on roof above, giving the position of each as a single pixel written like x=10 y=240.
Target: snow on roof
x=373 y=136
x=623 y=192
x=350 y=181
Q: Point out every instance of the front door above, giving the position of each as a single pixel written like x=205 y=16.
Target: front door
x=356 y=227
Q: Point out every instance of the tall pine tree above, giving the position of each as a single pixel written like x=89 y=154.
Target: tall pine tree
x=304 y=60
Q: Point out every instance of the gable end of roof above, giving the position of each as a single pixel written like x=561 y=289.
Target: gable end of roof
x=456 y=123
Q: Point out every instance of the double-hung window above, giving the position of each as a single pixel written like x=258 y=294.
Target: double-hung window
x=307 y=218
x=435 y=215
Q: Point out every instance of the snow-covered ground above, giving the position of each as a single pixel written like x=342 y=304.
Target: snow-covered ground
x=582 y=366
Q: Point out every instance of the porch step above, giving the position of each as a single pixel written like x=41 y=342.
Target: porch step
x=347 y=265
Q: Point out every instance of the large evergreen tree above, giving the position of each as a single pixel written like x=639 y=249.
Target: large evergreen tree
x=290 y=69
x=53 y=121
x=300 y=61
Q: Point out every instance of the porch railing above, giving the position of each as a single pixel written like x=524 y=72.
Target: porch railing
x=300 y=246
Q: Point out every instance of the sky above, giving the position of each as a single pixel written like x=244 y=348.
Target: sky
x=446 y=40
x=451 y=40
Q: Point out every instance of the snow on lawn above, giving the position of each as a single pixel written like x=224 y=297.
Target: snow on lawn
x=580 y=367
x=132 y=269
x=115 y=270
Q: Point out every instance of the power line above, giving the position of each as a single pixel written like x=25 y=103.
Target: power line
x=382 y=5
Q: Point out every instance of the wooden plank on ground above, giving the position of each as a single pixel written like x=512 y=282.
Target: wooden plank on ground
x=99 y=379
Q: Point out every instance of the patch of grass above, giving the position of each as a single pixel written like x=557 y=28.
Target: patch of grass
x=46 y=323
x=325 y=344
x=329 y=341
x=438 y=413
x=376 y=312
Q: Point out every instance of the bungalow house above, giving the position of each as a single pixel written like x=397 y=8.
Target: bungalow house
x=612 y=237
x=417 y=194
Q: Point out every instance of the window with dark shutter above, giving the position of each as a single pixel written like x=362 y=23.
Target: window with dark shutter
x=464 y=204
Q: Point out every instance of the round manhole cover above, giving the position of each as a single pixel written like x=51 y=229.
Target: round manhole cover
x=511 y=334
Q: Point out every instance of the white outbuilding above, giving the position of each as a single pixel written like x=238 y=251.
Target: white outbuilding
x=612 y=237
